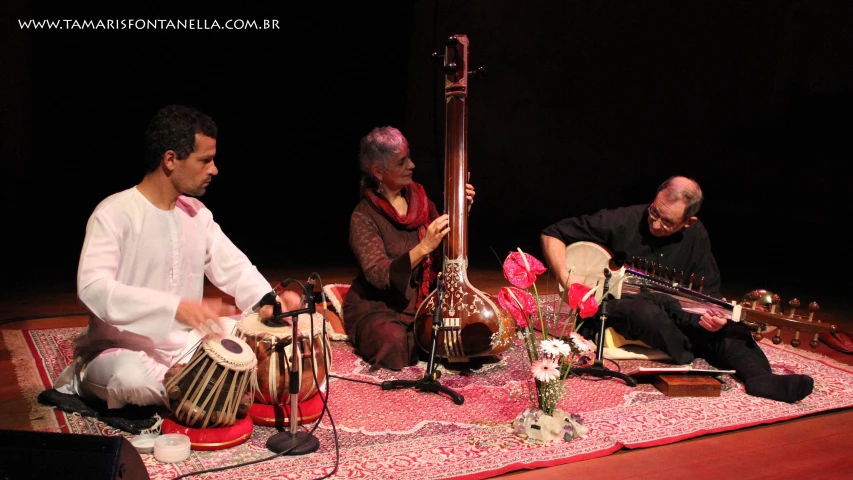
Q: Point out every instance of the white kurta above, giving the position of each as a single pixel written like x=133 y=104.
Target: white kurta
x=139 y=261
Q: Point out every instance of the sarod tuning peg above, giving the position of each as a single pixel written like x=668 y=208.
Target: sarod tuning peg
x=774 y=302
x=794 y=303
x=777 y=338
x=796 y=341
x=813 y=307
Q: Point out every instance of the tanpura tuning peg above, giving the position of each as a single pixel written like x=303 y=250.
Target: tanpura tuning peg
x=814 y=342
x=692 y=278
x=813 y=307
x=437 y=57
x=794 y=303
x=796 y=341
x=451 y=68
x=774 y=302
x=452 y=40
x=479 y=72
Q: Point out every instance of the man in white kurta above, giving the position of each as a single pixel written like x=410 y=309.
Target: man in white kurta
x=141 y=275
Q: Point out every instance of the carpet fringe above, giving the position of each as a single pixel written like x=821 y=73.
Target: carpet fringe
x=42 y=418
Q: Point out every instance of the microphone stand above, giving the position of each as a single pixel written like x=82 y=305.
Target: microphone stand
x=598 y=369
x=429 y=382
x=294 y=442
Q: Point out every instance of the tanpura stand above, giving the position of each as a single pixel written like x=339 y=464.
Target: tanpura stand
x=597 y=369
x=429 y=382
x=472 y=323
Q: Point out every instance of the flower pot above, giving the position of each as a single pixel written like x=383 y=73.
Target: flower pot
x=539 y=426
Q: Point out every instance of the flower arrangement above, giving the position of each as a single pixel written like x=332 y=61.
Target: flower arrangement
x=551 y=355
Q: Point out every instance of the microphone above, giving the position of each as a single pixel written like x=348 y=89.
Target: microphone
x=439 y=296
x=308 y=294
x=603 y=306
x=269 y=298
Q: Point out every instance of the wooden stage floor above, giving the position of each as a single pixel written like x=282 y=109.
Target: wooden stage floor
x=811 y=447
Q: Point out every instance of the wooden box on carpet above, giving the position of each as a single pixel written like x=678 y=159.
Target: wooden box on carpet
x=688 y=385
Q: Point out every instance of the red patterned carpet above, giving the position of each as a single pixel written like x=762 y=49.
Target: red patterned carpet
x=411 y=434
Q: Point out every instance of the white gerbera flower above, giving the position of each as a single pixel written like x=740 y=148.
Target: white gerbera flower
x=545 y=370
x=550 y=347
x=581 y=344
x=565 y=349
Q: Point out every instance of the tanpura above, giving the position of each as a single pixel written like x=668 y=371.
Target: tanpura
x=472 y=324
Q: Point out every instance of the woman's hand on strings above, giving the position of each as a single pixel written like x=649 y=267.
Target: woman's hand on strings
x=713 y=320
x=436 y=232
x=469 y=193
x=202 y=316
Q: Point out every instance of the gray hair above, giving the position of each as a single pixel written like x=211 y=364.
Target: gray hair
x=684 y=189
x=378 y=148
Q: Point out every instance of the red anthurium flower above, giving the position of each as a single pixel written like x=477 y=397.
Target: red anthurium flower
x=581 y=296
x=518 y=303
x=521 y=269
x=589 y=307
x=576 y=293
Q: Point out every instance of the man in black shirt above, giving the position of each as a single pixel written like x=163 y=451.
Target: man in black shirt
x=667 y=232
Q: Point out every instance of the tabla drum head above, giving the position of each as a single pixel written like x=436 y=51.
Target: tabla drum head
x=231 y=352
x=252 y=325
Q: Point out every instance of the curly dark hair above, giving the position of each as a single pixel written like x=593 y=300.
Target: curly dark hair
x=173 y=128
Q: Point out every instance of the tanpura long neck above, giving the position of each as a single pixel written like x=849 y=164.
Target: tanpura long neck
x=455 y=170
x=456 y=149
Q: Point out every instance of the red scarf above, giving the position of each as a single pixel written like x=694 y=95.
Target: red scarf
x=417 y=216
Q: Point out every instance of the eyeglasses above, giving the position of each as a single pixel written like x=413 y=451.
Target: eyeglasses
x=667 y=225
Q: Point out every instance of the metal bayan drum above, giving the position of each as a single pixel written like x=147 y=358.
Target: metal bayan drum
x=273 y=346
x=209 y=389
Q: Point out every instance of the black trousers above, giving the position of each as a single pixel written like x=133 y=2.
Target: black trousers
x=658 y=320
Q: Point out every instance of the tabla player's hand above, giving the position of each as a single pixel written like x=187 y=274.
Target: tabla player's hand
x=202 y=316
x=288 y=300
x=436 y=231
x=713 y=320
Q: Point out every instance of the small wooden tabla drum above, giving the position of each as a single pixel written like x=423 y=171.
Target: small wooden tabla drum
x=273 y=346
x=209 y=390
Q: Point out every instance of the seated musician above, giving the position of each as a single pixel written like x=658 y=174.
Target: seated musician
x=394 y=232
x=141 y=272
x=667 y=232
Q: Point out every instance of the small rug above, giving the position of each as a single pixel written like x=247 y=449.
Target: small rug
x=409 y=434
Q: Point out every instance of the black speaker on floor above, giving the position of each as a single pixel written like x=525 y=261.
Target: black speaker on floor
x=47 y=455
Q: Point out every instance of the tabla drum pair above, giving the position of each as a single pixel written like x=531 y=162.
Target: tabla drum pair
x=273 y=347
x=211 y=389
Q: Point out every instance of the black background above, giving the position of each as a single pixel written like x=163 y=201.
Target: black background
x=584 y=105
